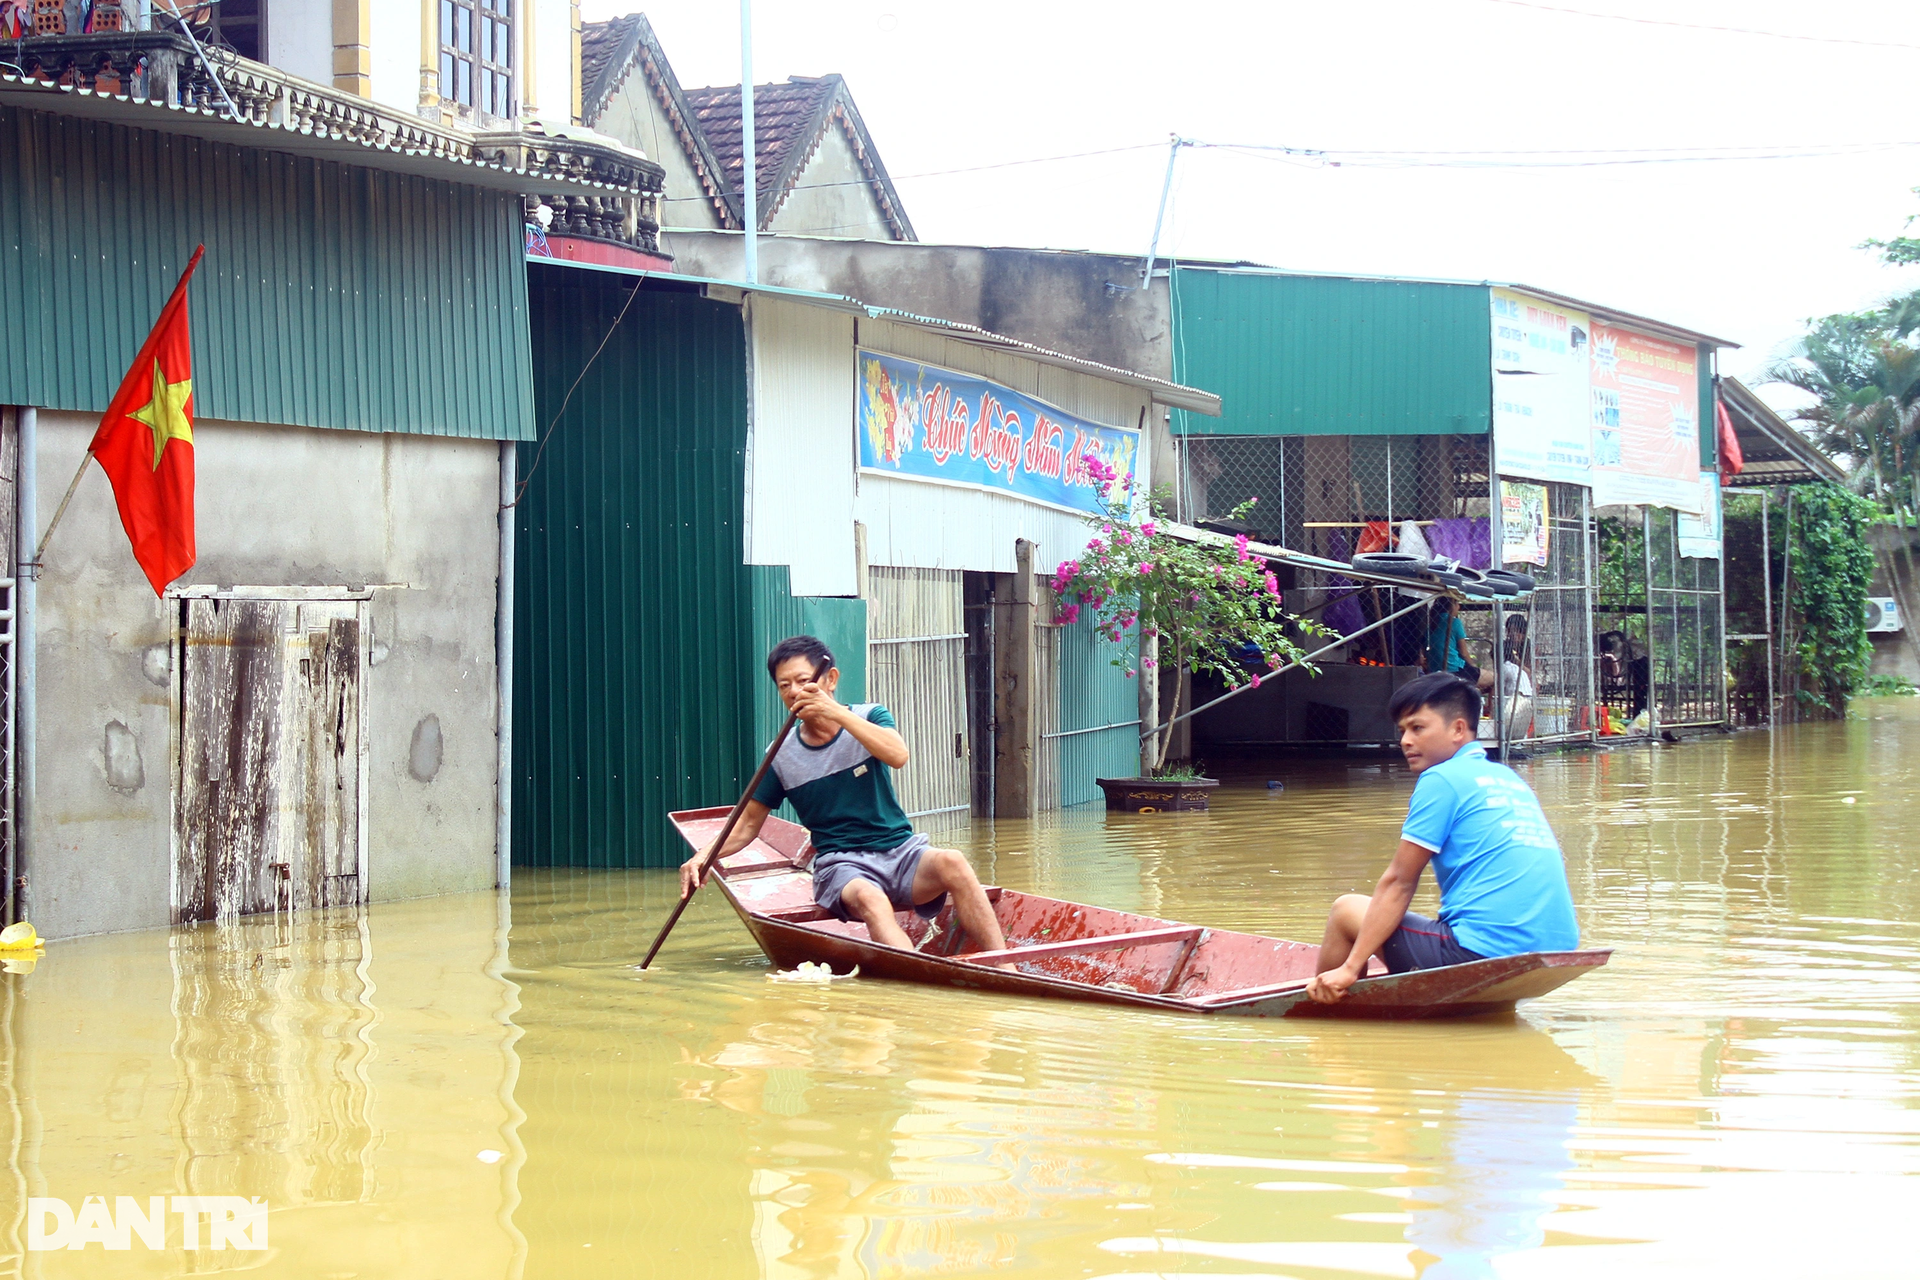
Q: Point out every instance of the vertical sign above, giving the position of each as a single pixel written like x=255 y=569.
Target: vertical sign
x=1645 y=415
x=1540 y=415
x=1699 y=535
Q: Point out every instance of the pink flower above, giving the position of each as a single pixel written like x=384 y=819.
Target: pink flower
x=1148 y=663
x=1147 y=527
x=1256 y=679
x=1194 y=598
x=1129 y=673
x=1124 y=538
x=1240 y=545
x=1273 y=662
x=1095 y=546
x=1069 y=613
x=1273 y=586
x=1146 y=567
x=1153 y=633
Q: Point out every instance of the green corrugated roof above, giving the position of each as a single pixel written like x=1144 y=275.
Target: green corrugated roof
x=1326 y=355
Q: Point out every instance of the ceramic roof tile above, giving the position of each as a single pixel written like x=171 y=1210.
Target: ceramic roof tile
x=600 y=43
x=785 y=119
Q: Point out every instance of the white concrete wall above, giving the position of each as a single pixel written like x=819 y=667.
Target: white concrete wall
x=634 y=116
x=395 y=41
x=277 y=506
x=800 y=453
x=552 y=65
x=300 y=38
x=832 y=196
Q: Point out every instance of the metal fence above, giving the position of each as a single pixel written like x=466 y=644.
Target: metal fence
x=1545 y=669
x=1686 y=625
x=916 y=667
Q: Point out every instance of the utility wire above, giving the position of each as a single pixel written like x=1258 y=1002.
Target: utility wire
x=1705 y=26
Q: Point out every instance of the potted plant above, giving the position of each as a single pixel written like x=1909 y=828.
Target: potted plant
x=1175 y=602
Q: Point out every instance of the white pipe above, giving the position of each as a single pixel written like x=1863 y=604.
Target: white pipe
x=26 y=537
x=749 y=180
x=503 y=673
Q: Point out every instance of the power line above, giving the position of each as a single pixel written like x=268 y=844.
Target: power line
x=943 y=173
x=1705 y=26
x=1563 y=158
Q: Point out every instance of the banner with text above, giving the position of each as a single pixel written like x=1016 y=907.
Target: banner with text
x=1540 y=417
x=920 y=422
x=1699 y=535
x=1646 y=404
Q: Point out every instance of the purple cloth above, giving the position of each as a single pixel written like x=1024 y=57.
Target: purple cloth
x=1468 y=540
x=1344 y=616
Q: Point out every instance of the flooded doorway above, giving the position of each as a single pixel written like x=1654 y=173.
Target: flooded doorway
x=271 y=755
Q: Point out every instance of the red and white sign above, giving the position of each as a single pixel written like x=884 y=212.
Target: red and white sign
x=1646 y=430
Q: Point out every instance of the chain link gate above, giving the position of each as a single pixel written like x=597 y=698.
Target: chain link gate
x=1546 y=667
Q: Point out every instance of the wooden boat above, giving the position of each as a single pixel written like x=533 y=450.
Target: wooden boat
x=1071 y=951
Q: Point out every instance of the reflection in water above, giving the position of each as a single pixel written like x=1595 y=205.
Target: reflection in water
x=447 y=1088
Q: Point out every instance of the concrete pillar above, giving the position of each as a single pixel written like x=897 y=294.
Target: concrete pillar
x=1016 y=744
x=353 y=46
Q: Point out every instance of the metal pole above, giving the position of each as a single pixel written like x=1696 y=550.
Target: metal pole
x=1766 y=590
x=1590 y=557
x=25 y=623
x=1299 y=662
x=1786 y=596
x=1160 y=217
x=749 y=179
x=1720 y=523
x=503 y=673
x=1646 y=555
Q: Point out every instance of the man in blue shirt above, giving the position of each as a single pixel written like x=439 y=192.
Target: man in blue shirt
x=1503 y=886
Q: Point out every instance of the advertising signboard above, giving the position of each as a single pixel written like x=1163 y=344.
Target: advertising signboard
x=1540 y=413
x=1524 y=517
x=920 y=422
x=1645 y=406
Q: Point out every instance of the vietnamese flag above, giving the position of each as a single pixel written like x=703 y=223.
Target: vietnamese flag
x=145 y=444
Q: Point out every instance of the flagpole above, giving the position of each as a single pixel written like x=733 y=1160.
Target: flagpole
x=61 y=510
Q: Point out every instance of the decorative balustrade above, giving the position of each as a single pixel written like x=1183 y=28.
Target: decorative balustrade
x=164 y=66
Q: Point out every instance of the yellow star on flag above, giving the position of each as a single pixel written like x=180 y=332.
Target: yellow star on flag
x=164 y=414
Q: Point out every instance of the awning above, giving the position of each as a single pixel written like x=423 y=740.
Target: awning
x=1774 y=451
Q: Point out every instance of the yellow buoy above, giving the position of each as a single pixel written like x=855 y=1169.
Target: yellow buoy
x=19 y=937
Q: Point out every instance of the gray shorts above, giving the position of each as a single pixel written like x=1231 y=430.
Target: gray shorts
x=1420 y=943
x=889 y=869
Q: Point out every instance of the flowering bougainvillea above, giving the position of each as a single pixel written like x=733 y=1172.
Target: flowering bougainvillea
x=1166 y=601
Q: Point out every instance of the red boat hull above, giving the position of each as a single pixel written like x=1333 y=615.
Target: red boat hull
x=1067 y=950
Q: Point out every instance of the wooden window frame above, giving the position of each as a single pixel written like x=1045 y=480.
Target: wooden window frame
x=478 y=60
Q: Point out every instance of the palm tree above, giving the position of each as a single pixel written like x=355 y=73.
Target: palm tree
x=1866 y=390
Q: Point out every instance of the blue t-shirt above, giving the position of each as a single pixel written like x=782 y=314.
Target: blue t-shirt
x=1503 y=886
x=1443 y=644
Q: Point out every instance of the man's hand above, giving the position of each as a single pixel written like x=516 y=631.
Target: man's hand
x=693 y=871
x=1331 y=986
x=815 y=704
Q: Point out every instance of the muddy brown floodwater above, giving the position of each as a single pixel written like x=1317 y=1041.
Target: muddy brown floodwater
x=480 y=1086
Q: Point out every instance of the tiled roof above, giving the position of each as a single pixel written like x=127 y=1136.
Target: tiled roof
x=786 y=122
x=600 y=44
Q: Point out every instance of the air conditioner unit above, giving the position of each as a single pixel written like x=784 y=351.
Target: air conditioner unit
x=1883 y=613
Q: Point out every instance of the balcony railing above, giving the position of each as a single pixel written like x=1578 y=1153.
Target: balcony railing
x=163 y=66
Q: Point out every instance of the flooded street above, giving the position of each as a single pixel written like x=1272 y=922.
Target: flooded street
x=475 y=1087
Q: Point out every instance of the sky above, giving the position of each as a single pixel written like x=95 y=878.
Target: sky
x=1746 y=249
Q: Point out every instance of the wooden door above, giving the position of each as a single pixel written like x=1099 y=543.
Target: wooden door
x=268 y=814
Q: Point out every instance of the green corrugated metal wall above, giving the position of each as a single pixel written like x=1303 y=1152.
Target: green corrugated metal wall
x=1318 y=355
x=634 y=663
x=330 y=296
x=777 y=614
x=1094 y=692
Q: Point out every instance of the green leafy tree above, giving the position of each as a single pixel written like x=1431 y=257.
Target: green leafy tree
x=1831 y=568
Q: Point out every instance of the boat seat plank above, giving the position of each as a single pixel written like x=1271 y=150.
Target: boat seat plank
x=1078 y=946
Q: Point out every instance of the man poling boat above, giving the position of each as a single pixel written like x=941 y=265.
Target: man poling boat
x=908 y=912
